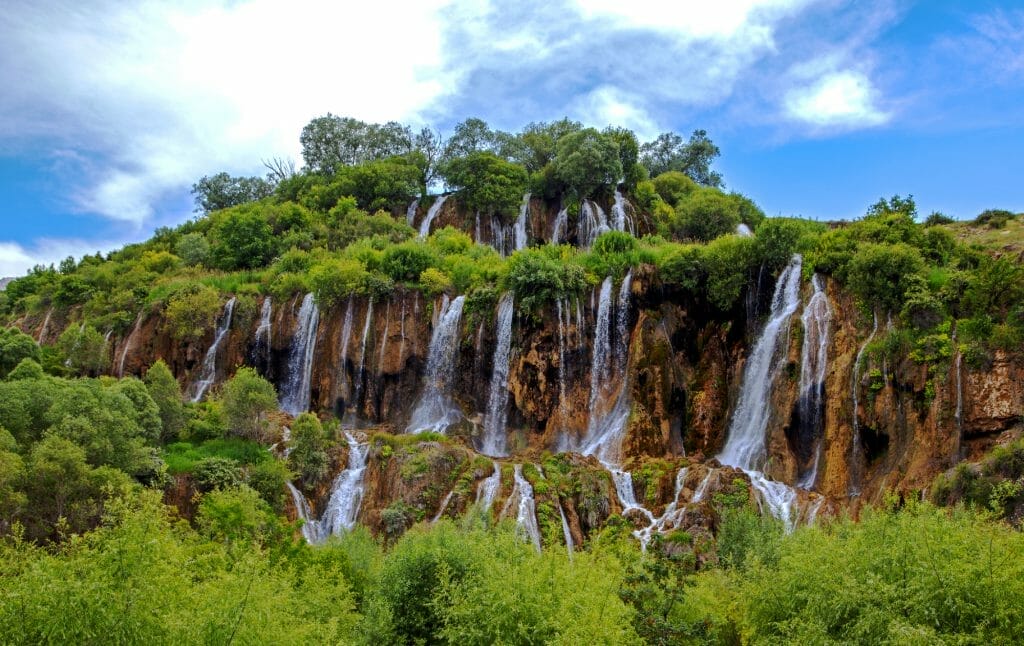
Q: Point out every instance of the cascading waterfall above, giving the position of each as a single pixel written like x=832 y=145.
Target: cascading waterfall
x=560 y=225
x=520 y=227
x=743 y=230
x=526 y=513
x=384 y=339
x=344 y=386
x=671 y=518
x=702 y=488
x=44 y=326
x=593 y=222
x=310 y=528
x=263 y=339
x=745 y=444
x=494 y=441
x=435 y=410
x=357 y=400
x=410 y=213
x=566 y=532
x=620 y=220
x=442 y=507
x=128 y=344
x=503 y=238
x=856 y=456
x=346 y=492
x=295 y=392
x=476 y=232
x=563 y=318
x=208 y=371
x=817 y=320
x=432 y=212
x=488 y=488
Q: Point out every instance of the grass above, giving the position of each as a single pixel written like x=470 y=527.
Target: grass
x=181 y=457
x=1008 y=240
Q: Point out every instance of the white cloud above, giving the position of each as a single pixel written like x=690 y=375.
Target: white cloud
x=167 y=92
x=837 y=100
x=16 y=259
x=608 y=105
x=725 y=19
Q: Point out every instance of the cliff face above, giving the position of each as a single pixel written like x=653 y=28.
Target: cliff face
x=683 y=372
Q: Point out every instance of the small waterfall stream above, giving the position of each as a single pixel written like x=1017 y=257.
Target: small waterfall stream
x=488 y=488
x=384 y=338
x=310 y=528
x=263 y=339
x=444 y=505
x=346 y=495
x=525 y=508
x=817 y=320
x=357 y=400
x=521 y=238
x=745 y=444
x=493 y=442
x=344 y=384
x=620 y=220
x=671 y=518
x=128 y=343
x=208 y=371
x=592 y=223
x=435 y=410
x=296 y=390
x=856 y=452
x=410 y=213
x=432 y=212
x=560 y=225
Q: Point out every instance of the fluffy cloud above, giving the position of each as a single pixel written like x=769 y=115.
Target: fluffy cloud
x=840 y=99
x=16 y=260
x=157 y=94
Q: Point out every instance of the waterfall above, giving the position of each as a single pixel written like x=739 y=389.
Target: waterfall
x=671 y=518
x=494 y=441
x=520 y=228
x=128 y=344
x=560 y=225
x=432 y=212
x=384 y=339
x=401 y=331
x=344 y=386
x=743 y=230
x=745 y=446
x=361 y=373
x=562 y=325
x=435 y=410
x=817 y=319
x=502 y=239
x=42 y=328
x=593 y=222
x=526 y=514
x=208 y=371
x=310 y=528
x=442 y=507
x=702 y=488
x=606 y=427
x=295 y=392
x=856 y=457
x=346 y=492
x=476 y=232
x=566 y=532
x=620 y=219
x=487 y=491
x=262 y=340
x=410 y=213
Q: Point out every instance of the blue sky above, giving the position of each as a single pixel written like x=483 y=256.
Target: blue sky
x=110 y=110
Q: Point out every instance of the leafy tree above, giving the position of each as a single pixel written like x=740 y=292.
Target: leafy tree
x=333 y=280
x=269 y=478
x=896 y=205
x=241 y=238
x=331 y=142
x=935 y=218
x=193 y=248
x=85 y=348
x=165 y=391
x=668 y=152
x=629 y=151
x=237 y=515
x=248 y=398
x=704 y=215
x=192 y=311
x=406 y=261
x=380 y=184
x=541 y=275
x=216 y=473
x=222 y=191
x=673 y=186
x=486 y=182
x=880 y=275
x=538 y=142
x=309 y=445
x=15 y=345
x=728 y=261
x=587 y=160
x=470 y=136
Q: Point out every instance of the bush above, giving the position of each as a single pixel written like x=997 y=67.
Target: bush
x=542 y=275
x=406 y=261
x=192 y=311
x=881 y=274
x=705 y=214
x=270 y=478
x=15 y=346
x=216 y=473
x=487 y=183
x=166 y=393
x=333 y=280
x=309 y=445
x=241 y=238
x=247 y=399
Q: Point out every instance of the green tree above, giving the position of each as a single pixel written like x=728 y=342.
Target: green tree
x=309 y=444
x=587 y=160
x=192 y=311
x=331 y=142
x=193 y=248
x=538 y=142
x=237 y=515
x=85 y=350
x=165 y=391
x=880 y=275
x=241 y=238
x=668 y=152
x=248 y=399
x=486 y=182
x=15 y=345
x=222 y=191
x=705 y=214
